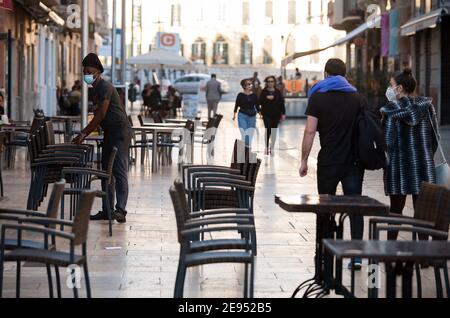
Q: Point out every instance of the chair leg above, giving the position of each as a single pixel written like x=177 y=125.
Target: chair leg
x=1 y=278
x=419 y=280
x=75 y=289
x=179 y=282
x=58 y=282
x=50 y=281
x=437 y=275
x=18 y=270
x=252 y=277
x=86 y=277
x=447 y=282
x=246 y=281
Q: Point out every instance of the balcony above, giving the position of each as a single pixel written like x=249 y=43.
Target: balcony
x=345 y=15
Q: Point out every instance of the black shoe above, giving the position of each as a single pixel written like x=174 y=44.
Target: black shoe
x=119 y=217
x=100 y=216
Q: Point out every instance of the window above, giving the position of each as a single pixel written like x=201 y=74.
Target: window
x=245 y=13
x=199 y=52
x=417 y=8
x=269 y=12
x=267 y=51
x=291 y=46
x=292 y=12
x=314 y=58
x=220 y=51
x=427 y=6
x=246 y=51
x=176 y=15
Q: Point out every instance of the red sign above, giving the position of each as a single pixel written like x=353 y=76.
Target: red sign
x=6 y=4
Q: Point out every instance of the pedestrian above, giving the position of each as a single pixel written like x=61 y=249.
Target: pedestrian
x=247 y=105
x=155 y=98
x=75 y=99
x=273 y=110
x=213 y=95
x=407 y=122
x=333 y=108
x=112 y=118
x=256 y=85
x=298 y=75
x=281 y=86
x=173 y=100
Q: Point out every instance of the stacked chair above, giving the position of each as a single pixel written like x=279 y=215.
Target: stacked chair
x=207 y=135
x=47 y=160
x=215 y=199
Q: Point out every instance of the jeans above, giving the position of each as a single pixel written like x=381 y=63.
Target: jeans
x=247 y=126
x=119 y=183
x=351 y=177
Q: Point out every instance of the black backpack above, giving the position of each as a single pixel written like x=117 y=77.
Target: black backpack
x=369 y=141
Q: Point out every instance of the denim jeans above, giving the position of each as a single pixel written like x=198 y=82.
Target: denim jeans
x=247 y=126
x=119 y=184
x=351 y=177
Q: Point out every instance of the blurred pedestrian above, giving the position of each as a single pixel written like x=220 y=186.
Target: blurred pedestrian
x=273 y=111
x=256 y=85
x=213 y=95
x=247 y=105
x=75 y=99
x=408 y=122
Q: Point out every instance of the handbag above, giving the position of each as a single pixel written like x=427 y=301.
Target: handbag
x=442 y=169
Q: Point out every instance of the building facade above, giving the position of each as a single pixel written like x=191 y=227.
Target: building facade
x=40 y=53
x=244 y=32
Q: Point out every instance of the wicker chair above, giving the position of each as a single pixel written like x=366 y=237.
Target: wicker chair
x=432 y=212
x=77 y=237
x=194 y=252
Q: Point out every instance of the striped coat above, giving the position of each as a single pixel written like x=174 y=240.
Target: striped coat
x=410 y=145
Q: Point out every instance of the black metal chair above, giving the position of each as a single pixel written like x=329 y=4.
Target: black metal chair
x=195 y=253
x=82 y=178
x=58 y=258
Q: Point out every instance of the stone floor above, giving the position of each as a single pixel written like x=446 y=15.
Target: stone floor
x=140 y=260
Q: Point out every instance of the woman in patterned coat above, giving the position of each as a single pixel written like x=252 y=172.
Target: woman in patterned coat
x=411 y=143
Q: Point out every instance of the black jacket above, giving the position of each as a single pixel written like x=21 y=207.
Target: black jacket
x=272 y=108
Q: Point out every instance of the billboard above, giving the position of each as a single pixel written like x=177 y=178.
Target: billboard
x=168 y=41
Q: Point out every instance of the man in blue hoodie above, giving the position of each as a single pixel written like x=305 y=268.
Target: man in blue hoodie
x=332 y=111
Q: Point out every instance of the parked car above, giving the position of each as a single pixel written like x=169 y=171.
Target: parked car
x=191 y=83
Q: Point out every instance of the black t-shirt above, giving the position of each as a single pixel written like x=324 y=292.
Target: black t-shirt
x=116 y=116
x=272 y=108
x=247 y=104
x=337 y=113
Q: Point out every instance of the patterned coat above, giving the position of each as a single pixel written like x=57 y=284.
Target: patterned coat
x=411 y=145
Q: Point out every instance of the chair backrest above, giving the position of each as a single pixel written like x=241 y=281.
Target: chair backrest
x=49 y=133
x=240 y=153
x=81 y=221
x=36 y=124
x=55 y=200
x=178 y=208
x=190 y=126
x=433 y=205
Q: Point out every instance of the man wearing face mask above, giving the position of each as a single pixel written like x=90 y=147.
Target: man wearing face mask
x=110 y=114
x=333 y=109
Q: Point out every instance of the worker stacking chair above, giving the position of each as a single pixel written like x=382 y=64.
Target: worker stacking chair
x=194 y=252
x=57 y=257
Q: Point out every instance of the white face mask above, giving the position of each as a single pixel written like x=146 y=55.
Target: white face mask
x=390 y=94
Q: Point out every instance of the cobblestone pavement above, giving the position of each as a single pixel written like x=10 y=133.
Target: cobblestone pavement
x=140 y=260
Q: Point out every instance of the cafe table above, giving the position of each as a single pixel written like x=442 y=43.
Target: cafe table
x=327 y=208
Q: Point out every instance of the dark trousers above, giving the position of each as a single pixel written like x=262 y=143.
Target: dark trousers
x=119 y=183
x=351 y=178
x=271 y=124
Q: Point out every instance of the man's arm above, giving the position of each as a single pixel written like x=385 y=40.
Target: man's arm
x=308 y=140
x=100 y=114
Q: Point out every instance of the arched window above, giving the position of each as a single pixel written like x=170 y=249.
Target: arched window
x=314 y=43
x=267 y=51
x=291 y=46
x=198 y=55
x=269 y=12
x=220 y=49
x=246 y=51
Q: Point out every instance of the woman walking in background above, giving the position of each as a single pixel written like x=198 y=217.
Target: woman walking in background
x=247 y=105
x=273 y=111
x=407 y=123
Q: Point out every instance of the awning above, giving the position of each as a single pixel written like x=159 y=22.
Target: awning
x=160 y=58
x=428 y=20
x=353 y=34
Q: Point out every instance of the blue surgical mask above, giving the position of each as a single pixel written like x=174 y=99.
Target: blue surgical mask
x=89 y=79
